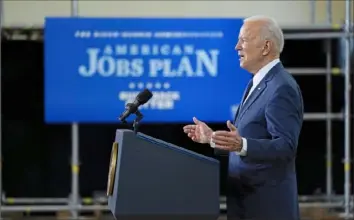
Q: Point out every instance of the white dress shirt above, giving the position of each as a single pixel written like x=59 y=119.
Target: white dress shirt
x=257 y=78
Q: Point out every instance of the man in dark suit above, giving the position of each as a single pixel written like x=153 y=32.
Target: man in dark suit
x=262 y=141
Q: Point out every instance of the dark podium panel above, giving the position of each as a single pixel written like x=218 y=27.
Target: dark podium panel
x=150 y=178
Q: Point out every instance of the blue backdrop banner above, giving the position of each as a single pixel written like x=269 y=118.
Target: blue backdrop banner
x=94 y=66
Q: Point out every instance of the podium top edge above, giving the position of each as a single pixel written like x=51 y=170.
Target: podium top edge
x=177 y=148
x=172 y=146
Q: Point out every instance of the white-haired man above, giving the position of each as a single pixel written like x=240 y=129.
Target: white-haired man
x=262 y=141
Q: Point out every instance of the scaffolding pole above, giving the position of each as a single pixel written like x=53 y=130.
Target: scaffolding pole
x=329 y=12
x=54 y=201
x=329 y=157
x=15 y=201
x=329 y=179
x=1 y=161
x=316 y=35
x=322 y=116
x=53 y=208
x=75 y=146
x=223 y=206
x=347 y=161
x=49 y=208
x=313 y=71
x=313 y=11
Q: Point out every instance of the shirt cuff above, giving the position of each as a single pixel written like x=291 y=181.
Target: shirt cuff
x=243 y=151
x=212 y=144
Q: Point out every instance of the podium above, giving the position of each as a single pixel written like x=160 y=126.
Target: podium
x=152 y=179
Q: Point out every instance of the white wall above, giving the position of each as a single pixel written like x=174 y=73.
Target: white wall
x=33 y=12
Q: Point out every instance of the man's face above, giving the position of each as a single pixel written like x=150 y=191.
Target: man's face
x=250 y=46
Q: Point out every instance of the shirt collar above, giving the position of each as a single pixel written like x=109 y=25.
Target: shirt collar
x=263 y=72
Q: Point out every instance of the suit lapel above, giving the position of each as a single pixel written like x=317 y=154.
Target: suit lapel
x=236 y=114
x=252 y=98
x=257 y=92
x=244 y=93
x=240 y=105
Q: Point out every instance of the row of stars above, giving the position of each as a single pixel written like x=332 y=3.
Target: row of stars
x=149 y=85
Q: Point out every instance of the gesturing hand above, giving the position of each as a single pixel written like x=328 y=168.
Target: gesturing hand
x=228 y=140
x=199 y=132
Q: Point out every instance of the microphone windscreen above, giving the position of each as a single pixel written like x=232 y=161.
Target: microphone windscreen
x=144 y=96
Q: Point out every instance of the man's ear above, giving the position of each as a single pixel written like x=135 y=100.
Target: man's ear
x=267 y=47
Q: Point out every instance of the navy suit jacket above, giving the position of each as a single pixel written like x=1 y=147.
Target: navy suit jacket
x=263 y=184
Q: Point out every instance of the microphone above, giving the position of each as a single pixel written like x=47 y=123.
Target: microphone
x=132 y=108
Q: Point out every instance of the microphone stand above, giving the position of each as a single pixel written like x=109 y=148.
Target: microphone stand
x=138 y=118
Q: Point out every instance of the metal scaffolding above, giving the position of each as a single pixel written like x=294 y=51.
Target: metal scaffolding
x=75 y=204
x=1 y=22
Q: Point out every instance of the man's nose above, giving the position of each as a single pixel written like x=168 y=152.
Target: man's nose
x=237 y=47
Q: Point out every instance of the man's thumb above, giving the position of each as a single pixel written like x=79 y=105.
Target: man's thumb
x=196 y=121
x=231 y=126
